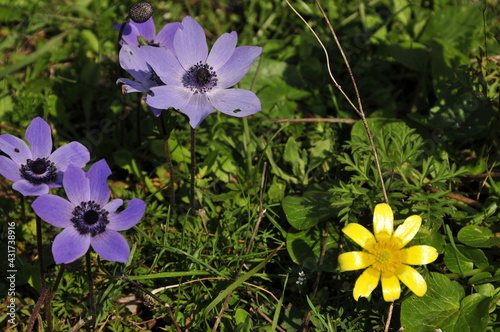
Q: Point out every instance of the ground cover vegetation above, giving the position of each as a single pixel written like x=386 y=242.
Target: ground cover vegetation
x=127 y=204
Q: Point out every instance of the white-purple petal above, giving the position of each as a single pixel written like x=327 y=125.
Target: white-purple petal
x=15 y=148
x=222 y=50
x=73 y=153
x=164 y=63
x=111 y=246
x=40 y=138
x=166 y=96
x=237 y=66
x=76 y=185
x=54 y=209
x=10 y=169
x=165 y=38
x=98 y=181
x=112 y=206
x=27 y=188
x=197 y=109
x=235 y=102
x=130 y=86
x=190 y=43
x=133 y=62
x=69 y=245
x=128 y=217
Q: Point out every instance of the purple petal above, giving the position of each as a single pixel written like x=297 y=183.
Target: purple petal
x=54 y=209
x=111 y=246
x=146 y=29
x=222 y=50
x=166 y=36
x=237 y=67
x=9 y=169
x=164 y=63
x=72 y=153
x=166 y=96
x=128 y=217
x=229 y=100
x=130 y=34
x=112 y=206
x=156 y=111
x=76 y=185
x=98 y=181
x=40 y=138
x=190 y=43
x=197 y=109
x=130 y=86
x=70 y=245
x=15 y=148
x=26 y=188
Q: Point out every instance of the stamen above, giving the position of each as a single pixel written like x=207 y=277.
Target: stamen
x=89 y=217
x=200 y=78
x=39 y=171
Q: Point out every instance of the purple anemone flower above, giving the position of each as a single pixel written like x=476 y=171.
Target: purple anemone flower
x=136 y=35
x=139 y=34
x=88 y=218
x=196 y=82
x=35 y=169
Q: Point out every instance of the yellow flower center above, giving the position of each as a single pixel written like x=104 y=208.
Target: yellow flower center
x=387 y=256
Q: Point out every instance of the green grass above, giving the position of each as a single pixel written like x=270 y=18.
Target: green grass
x=428 y=76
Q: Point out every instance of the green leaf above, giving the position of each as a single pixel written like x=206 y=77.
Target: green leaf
x=456 y=26
x=306 y=211
x=459 y=259
x=243 y=321
x=304 y=247
x=477 y=236
x=445 y=307
x=411 y=54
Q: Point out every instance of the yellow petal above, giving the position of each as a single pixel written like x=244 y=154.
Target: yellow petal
x=366 y=283
x=412 y=279
x=383 y=222
x=359 y=234
x=418 y=255
x=407 y=230
x=355 y=260
x=390 y=288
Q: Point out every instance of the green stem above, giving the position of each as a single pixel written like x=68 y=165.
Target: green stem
x=90 y=280
x=40 y=249
x=192 y=198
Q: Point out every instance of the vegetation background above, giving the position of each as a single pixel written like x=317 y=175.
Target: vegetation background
x=428 y=75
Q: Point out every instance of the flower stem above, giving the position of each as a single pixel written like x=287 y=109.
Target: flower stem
x=170 y=167
x=50 y=297
x=192 y=198
x=91 y=289
x=165 y=127
x=39 y=244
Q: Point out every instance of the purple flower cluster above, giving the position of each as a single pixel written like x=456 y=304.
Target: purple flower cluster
x=177 y=70
x=88 y=218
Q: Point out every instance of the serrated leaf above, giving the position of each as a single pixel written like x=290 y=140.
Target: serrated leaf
x=477 y=236
x=444 y=307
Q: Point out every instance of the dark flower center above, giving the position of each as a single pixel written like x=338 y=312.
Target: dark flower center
x=89 y=217
x=39 y=171
x=200 y=78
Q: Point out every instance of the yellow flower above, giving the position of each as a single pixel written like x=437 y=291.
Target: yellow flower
x=384 y=255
